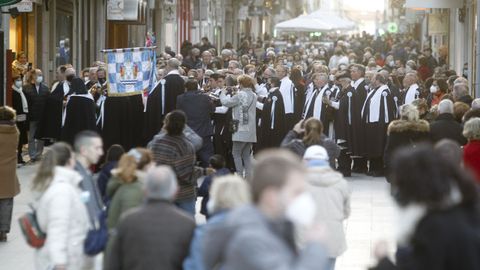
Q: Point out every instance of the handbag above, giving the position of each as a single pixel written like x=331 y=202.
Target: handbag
x=34 y=236
x=97 y=236
x=233 y=125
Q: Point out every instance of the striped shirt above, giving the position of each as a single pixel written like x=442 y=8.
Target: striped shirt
x=178 y=153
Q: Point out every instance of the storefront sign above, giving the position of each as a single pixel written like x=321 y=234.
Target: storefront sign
x=437 y=24
x=24 y=6
x=122 y=10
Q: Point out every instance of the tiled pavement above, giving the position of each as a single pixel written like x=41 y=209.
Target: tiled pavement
x=372 y=219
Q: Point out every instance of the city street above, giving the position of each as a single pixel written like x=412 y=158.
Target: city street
x=372 y=219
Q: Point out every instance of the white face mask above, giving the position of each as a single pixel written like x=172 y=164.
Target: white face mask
x=392 y=63
x=301 y=211
x=86 y=78
x=18 y=84
x=252 y=74
x=39 y=79
x=331 y=77
x=433 y=89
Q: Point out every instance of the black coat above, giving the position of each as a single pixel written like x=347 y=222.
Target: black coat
x=445 y=127
x=198 y=107
x=174 y=86
x=23 y=125
x=36 y=100
x=358 y=99
x=402 y=133
x=443 y=240
x=156 y=235
x=80 y=116
x=272 y=137
x=50 y=124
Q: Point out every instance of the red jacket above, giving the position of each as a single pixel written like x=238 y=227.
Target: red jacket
x=471 y=157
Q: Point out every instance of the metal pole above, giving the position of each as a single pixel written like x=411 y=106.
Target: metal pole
x=477 y=56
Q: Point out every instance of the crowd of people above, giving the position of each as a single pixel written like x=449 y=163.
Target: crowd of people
x=366 y=105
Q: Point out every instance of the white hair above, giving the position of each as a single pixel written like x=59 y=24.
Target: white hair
x=161 y=183
x=445 y=106
x=409 y=112
x=471 y=130
x=476 y=104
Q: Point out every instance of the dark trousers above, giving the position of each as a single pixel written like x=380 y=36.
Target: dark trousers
x=360 y=164
x=6 y=209
x=206 y=152
x=345 y=162
x=376 y=165
x=290 y=119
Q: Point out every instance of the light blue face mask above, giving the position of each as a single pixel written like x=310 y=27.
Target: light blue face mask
x=317 y=163
x=39 y=79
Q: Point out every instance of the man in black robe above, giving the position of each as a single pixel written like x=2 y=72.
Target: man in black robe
x=343 y=123
x=163 y=99
x=272 y=122
x=50 y=125
x=357 y=73
x=79 y=112
x=377 y=112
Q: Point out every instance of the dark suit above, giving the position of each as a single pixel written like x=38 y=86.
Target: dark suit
x=156 y=235
x=199 y=107
x=36 y=100
x=174 y=86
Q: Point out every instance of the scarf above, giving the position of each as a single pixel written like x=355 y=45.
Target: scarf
x=375 y=97
x=22 y=96
x=286 y=88
x=412 y=93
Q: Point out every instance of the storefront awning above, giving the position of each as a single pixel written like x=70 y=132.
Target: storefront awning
x=434 y=4
x=317 y=21
x=8 y=2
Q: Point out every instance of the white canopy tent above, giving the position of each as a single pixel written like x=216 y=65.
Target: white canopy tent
x=316 y=22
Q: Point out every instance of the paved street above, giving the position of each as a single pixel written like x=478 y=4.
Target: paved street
x=372 y=219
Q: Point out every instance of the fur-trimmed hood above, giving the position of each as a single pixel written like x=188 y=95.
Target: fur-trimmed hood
x=404 y=125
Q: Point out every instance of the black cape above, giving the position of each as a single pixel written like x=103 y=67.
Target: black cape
x=375 y=134
x=50 y=125
x=123 y=121
x=174 y=86
x=80 y=116
x=359 y=97
x=344 y=117
x=272 y=137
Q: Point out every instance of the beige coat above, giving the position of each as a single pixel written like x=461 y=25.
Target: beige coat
x=9 y=186
x=332 y=200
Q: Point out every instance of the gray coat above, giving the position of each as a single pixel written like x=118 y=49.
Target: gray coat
x=245 y=99
x=248 y=240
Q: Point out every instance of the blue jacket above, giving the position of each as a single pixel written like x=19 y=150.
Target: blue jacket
x=194 y=261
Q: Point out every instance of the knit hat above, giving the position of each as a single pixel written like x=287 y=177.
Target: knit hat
x=315 y=156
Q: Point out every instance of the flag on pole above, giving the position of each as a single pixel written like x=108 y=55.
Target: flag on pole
x=130 y=70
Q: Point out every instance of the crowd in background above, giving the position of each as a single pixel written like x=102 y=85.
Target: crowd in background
x=353 y=104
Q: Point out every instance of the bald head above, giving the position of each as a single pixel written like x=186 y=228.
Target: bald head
x=161 y=183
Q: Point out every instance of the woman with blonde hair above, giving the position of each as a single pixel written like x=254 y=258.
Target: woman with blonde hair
x=61 y=211
x=243 y=123
x=307 y=133
x=227 y=193
x=126 y=185
x=409 y=130
x=471 y=151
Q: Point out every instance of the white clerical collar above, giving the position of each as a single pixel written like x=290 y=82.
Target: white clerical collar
x=175 y=71
x=357 y=83
x=273 y=89
x=285 y=78
x=87 y=95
